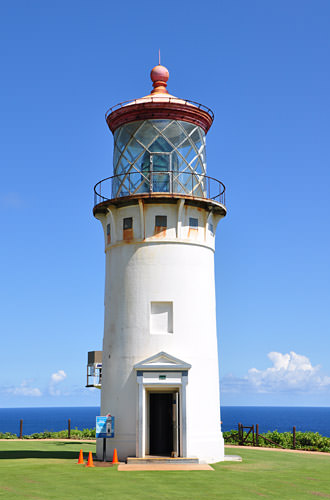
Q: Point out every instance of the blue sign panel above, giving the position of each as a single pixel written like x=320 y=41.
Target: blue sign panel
x=105 y=427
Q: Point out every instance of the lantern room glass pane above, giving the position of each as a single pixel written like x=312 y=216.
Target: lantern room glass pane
x=159 y=156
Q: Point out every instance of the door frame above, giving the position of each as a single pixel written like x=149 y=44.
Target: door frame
x=161 y=372
x=154 y=173
x=148 y=421
x=143 y=424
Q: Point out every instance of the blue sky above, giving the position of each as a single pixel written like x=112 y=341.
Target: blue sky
x=263 y=67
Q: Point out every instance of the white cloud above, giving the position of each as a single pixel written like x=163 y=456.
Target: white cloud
x=55 y=379
x=289 y=372
x=24 y=390
x=58 y=376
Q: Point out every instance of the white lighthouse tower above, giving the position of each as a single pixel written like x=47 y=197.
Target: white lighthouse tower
x=159 y=212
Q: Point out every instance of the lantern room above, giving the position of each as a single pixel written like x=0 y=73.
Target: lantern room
x=159 y=147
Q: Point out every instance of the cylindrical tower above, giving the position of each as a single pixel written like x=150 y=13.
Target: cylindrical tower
x=159 y=213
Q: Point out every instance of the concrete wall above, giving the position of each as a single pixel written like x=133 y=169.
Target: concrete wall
x=175 y=266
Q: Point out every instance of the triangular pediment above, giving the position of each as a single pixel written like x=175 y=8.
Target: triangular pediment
x=162 y=361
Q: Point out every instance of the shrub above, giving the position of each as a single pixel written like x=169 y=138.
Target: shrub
x=311 y=441
x=7 y=435
x=75 y=434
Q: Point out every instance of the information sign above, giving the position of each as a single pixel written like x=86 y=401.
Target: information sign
x=105 y=427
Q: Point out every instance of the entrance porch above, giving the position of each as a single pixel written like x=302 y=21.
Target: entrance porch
x=161 y=407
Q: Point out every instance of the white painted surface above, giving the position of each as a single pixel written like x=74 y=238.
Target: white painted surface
x=176 y=267
x=161 y=317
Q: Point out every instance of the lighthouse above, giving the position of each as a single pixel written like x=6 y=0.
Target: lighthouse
x=159 y=375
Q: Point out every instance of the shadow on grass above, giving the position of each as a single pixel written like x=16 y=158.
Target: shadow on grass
x=30 y=453
x=8 y=455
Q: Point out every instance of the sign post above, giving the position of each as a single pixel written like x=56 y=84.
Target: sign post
x=105 y=428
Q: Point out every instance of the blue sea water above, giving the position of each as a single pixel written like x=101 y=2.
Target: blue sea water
x=47 y=419
x=269 y=418
x=281 y=418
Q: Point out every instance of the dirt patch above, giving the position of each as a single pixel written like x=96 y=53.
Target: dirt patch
x=102 y=464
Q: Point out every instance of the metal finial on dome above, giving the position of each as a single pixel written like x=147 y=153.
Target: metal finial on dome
x=159 y=76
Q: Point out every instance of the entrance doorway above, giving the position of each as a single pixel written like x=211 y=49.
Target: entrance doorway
x=163 y=419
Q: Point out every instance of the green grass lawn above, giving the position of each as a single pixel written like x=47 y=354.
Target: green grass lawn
x=42 y=470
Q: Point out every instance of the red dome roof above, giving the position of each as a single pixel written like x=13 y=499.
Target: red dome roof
x=159 y=104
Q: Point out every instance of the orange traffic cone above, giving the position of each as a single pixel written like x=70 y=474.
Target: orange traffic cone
x=90 y=460
x=81 y=458
x=115 y=457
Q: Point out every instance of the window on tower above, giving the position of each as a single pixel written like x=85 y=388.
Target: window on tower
x=108 y=234
x=193 y=222
x=161 y=220
x=157 y=165
x=193 y=228
x=128 y=228
x=128 y=223
x=161 y=317
x=160 y=225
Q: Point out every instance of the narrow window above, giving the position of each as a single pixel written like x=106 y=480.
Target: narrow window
x=193 y=228
x=128 y=223
x=108 y=234
x=128 y=228
x=161 y=221
x=160 y=225
x=193 y=222
x=161 y=317
x=211 y=229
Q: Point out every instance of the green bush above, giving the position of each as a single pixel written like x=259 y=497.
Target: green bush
x=230 y=437
x=311 y=441
x=7 y=435
x=75 y=434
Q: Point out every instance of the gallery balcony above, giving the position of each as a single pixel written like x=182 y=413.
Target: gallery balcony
x=164 y=184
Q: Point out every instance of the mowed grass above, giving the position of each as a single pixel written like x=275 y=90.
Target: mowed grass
x=44 y=470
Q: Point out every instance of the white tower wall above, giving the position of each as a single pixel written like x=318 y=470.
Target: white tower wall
x=175 y=267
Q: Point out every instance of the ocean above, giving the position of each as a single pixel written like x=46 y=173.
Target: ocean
x=281 y=418
x=269 y=418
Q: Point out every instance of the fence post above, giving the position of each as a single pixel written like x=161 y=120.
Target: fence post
x=69 y=428
x=20 y=429
x=240 y=433
x=253 y=435
x=294 y=438
x=257 y=434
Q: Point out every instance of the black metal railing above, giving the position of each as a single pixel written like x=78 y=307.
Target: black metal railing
x=189 y=184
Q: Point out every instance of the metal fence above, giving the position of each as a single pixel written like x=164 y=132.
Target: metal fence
x=161 y=100
x=190 y=184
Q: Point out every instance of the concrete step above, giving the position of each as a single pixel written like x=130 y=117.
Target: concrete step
x=161 y=460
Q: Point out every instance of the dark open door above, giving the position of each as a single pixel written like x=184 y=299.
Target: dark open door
x=161 y=423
